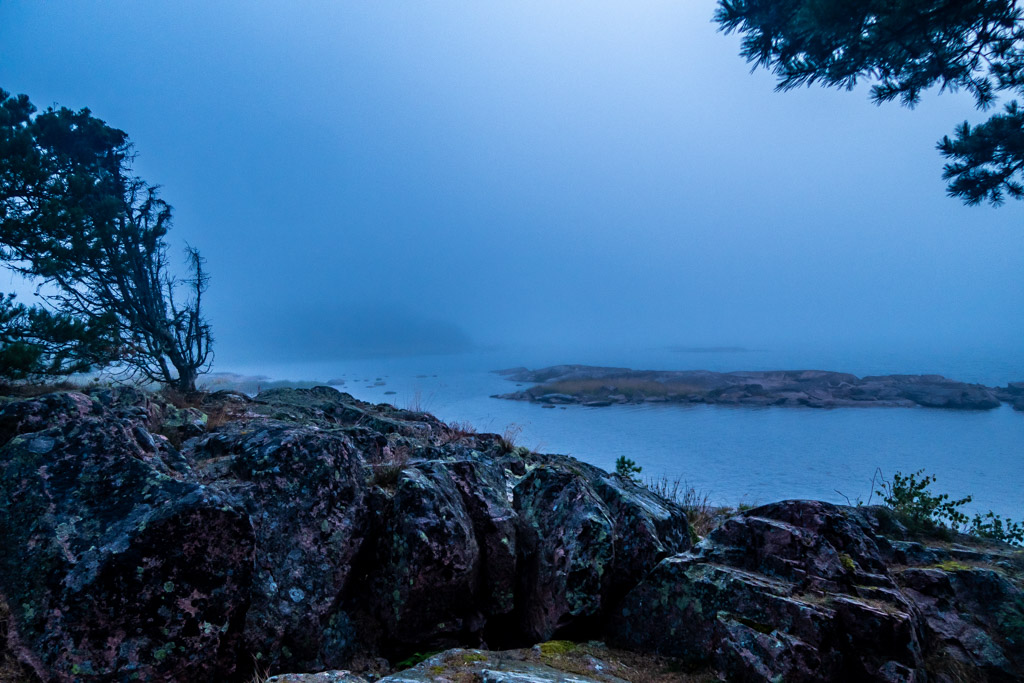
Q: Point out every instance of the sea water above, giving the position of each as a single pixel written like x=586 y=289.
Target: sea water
x=736 y=455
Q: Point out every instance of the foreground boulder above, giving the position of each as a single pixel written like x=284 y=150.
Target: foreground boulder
x=808 y=591
x=114 y=561
x=304 y=531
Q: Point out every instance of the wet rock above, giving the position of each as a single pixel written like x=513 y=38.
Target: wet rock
x=973 y=618
x=646 y=527
x=566 y=550
x=43 y=412
x=429 y=561
x=796 y=591
x=322 y=677
x=304 y=493
x=120 y=565
x=309 y=531
x=515 y=666
x=317 y=533
x=495 y=525
x=585 y=537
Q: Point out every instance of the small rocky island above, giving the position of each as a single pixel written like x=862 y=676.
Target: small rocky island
x=308 y=536
x=601 y=386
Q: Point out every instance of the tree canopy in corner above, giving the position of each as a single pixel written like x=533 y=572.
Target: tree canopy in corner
x=904 y=47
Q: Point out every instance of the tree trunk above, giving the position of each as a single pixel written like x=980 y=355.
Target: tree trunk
x=186 y=382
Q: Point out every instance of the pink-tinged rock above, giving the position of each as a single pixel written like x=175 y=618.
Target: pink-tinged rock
x=122 y=569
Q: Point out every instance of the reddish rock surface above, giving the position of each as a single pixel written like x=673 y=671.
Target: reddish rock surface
x=309 y=531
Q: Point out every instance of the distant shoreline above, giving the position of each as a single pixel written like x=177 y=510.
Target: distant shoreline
x=709 y=349
x=595 y=386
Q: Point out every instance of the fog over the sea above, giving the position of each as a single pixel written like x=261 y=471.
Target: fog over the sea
x=396 y=176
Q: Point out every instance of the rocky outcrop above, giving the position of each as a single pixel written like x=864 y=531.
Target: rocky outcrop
x=115 y=560
x=598 y=386
x=305 y=530
x=807 y=591
x=1012 y=393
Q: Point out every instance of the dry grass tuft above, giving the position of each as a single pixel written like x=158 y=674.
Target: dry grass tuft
x=218 y=408
x=415 y=403
x=507 y=442
x=182 y=400
x=703 y=516
x=455 y=432
x=951 y=670
x=393 y=459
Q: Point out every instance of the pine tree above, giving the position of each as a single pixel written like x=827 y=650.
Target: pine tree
x=36 y=343
x=75 y=218
x=905 y=47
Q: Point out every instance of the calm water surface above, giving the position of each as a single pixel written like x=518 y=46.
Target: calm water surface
x=736 y=454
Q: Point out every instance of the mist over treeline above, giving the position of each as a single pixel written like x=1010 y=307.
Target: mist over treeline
x=399 y=179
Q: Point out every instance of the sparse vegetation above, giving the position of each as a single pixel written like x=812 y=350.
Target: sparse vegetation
x=630 y=387
x=627 y=467
x=415 y=402
x=414 y=659
x=260 y=672
x=908 y=495
x=217 y=411
x=952 y=566
x=394 y=457
x=995 y=528
x=30 y=389
x=557 y=647
x=507 y=441
x=455 y=432
x=703 y=516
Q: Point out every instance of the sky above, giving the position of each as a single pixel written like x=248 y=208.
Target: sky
x=398 y=176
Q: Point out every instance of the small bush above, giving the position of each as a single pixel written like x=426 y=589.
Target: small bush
x=908 y=495
x=627 y=467
x=995 y=528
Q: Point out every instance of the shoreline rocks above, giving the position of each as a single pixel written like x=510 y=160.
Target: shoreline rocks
x=309 y=534
x=309 y=531
x=600 y=386
x=809 y=591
